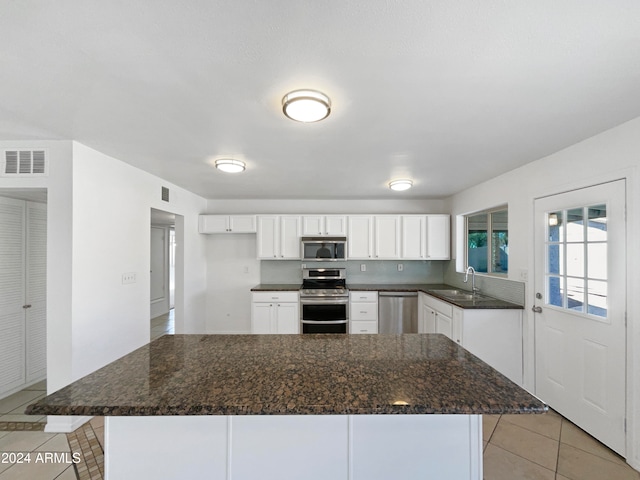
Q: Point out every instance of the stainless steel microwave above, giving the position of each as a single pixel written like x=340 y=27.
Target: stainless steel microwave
x=324 y=249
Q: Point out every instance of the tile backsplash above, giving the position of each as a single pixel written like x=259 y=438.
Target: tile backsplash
x=502 y=288
x=380 y=271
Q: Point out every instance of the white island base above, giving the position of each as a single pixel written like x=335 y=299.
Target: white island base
x=294 y=447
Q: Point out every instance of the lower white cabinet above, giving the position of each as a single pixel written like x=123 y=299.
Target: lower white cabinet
x=493 y=335
x=363 y=312
x=275 y=312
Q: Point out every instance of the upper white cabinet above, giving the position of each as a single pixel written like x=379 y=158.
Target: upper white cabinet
x=278 y=237
x=227 y=224
x=387 y=237
x=438 y=237
x=425 y=237
x=373 y=237
x=324 y=225
x=360 y=237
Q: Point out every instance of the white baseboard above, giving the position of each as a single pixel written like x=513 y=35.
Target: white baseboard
x=64 y=424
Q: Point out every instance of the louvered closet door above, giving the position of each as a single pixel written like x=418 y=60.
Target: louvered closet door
x=36 y=263
x=12 y=294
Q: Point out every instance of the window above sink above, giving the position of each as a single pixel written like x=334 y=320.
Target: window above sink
x=487 y=241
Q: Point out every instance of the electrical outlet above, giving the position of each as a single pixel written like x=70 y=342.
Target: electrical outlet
x=524 y=275
x=400 y=267
x=128 y=278
x=363 y=267
x=246 y=269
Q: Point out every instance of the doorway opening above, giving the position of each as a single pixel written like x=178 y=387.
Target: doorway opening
x=164 y=237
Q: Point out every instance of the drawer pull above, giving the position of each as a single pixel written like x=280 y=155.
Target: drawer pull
x=362 y=311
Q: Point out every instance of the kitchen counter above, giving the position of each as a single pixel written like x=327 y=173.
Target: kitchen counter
x=286 y=407
x=431 y=288
x=292 y=375
x=277 y=287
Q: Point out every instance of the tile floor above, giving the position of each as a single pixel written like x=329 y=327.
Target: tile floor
x=546 y=447
x=164 y=324
x=12 y=408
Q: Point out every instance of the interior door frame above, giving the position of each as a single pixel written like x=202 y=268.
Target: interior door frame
x=632 y=202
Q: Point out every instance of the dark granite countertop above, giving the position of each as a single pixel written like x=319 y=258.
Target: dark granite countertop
x=293 y=375
x=481 y=302
x=276 y=287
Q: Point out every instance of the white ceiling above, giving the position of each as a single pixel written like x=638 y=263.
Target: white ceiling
x=446 y=93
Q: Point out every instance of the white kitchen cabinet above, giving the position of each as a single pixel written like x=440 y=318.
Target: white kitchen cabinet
x=493 y=335
x=387 y=237
x=278 y=237
x=324 y=225
x=425 y=237
x=227 y=224
x=438 y=237
x=363 y=312
x=275 y=312
x=360 y=237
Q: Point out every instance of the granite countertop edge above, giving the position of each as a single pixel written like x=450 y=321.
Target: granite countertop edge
x=489 y=303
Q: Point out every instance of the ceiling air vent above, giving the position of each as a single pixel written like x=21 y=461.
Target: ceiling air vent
x=165 y=194
x=24 y=163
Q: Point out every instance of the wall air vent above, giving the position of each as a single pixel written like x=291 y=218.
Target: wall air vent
x=165 y=194
x=24 y=163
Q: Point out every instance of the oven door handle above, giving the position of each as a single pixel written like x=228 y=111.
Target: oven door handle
x=324 y=301
x=324 y=322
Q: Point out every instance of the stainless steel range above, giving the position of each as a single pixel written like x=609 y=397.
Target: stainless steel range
x=324 y=301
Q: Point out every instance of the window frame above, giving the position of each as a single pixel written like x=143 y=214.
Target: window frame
x=489 y=212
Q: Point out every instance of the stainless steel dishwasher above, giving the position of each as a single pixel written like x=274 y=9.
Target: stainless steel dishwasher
x=398 y=312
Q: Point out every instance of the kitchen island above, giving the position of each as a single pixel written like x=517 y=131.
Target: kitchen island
x=292 y=407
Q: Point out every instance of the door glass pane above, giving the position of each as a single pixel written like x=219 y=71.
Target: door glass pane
x=575 y=225
x=597 y=226
x=477 y=242
x=555 y=222
x=555 y=260
x=575 y=294
x=555 y=292
x=597 y=298
x=575 y=259
x=597 y=260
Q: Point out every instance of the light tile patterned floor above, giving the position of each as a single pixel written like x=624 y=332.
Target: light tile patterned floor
x=12 y=408
x=547 y=447
x=163 y=325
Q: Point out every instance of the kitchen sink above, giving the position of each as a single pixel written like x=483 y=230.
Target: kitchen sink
x=458 y=294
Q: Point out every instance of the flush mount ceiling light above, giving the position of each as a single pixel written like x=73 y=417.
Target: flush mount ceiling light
x=306 y=106
x=400 y=185
x=230 y=165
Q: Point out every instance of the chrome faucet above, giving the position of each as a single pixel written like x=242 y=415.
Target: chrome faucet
x=474 y=289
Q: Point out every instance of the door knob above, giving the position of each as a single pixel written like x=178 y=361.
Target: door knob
x=536 y=309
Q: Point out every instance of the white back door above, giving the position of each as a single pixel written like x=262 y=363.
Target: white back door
x=580 y=333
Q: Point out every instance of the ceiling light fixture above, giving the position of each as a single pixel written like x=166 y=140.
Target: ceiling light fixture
x=306 y=106
x=230 y=165
x=400 y=185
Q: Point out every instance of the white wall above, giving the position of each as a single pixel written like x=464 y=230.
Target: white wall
x=112 y=204
x=611 y=155
x=266 y=206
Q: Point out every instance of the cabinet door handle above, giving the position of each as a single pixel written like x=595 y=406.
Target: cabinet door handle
x=26 y=306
